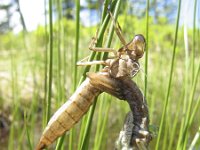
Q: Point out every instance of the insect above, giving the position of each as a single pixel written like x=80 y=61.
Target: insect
x=114 y=78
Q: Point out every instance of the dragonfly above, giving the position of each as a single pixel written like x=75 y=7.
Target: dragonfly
x=115 y=79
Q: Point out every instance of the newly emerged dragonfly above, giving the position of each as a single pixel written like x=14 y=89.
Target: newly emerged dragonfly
x=115 y=79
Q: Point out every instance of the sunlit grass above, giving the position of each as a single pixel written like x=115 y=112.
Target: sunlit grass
x=170 y=81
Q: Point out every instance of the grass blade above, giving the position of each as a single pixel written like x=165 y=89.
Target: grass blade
x=50 y=63
x=27 y=132
x=44 y=112
x=184 y=126
x=102 y=121
x=170 y=78
x=195 y=140
x=191 y=99
x=146 y=50
x=86 y=136
x=87 y=68
x=193 y=37
x=71 y=137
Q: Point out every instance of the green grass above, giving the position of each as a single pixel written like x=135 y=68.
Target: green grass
x=41 y=75
x=170 y=79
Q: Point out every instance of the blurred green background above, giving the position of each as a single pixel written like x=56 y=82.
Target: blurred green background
x=41 y=41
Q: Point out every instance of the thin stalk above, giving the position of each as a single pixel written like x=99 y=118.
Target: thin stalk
x=76 y=41
x=170 y=78
x=101 y=105
x=166 y=133
x=12 y=128
x=60 y=142
x=21 y=138
x=175 y=119
x=59 y=66
x=86 y=136
x=106 y=3
x=186 y=66
x=185 y=143
x=44 y=112
x=59 y=77
x=152 y=106
x=182 y=140
x=98 y=56
x=191 y=99
x=110 y=34
x=195 y=140
x=71 y=137
x=147 y=50
x=82 y=130
x=186 y=80
x=61 y=81
x=196 y=108
x=87 y=68
x=32 y=118
x=102 y=125
x=27 y=132
x=99 y=41
x=108 y=44
x=193 y=37
x=15 y=99
x=50 y=62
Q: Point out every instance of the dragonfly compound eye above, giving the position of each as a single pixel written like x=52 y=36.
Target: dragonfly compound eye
x=139 y=42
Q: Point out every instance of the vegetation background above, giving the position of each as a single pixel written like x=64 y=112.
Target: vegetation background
x=38 y=72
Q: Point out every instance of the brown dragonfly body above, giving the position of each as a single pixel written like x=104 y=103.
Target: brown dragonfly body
x=115 y=79
x=69 y=113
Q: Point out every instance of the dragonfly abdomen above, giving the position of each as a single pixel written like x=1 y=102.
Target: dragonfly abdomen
x=69 y=113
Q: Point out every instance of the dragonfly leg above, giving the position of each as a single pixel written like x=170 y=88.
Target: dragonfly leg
x=89 y=63
x=117 y=29
x=93 y=47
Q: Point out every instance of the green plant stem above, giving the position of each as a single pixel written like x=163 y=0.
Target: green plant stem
x=111 y=32
x=86 y=136
x=72 y=132
x=184 y=124
x=175 y=120
x=196 y=108
x=99 y=135
x=104 y=13
x=87 y=68
x=59 y=66
x=191 y=99
x=60 y=97
x=102 y=121
x=50 y=63
x=45 y=71
x=106 y=3
x=76 y=41
x=195 y=140
x=99 y=41
x=170 y=78
x=101 y=105
x=193 y=37
x=186 y=80
x=27 y=132
x=146 y=50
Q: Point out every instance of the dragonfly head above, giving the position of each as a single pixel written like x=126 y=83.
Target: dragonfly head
x=136 y=47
